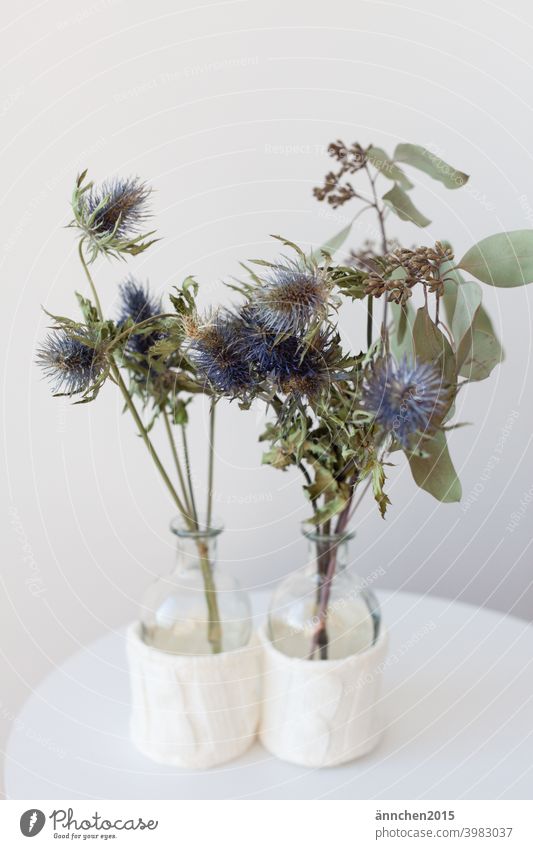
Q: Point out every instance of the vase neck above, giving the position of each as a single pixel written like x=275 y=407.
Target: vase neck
x=195 y=547
x=324 y=548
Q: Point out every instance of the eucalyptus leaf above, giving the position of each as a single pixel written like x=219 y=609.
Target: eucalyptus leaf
x=333 y=244
x=385 y=165
x=401 y=337
x=434 y=471
x=426 y=161
x=432 y=346
x=505 y=259
x=467 y=302
x=402 y=205
x=480 y=350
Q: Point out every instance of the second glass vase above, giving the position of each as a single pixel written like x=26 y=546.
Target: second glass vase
x=324 y=611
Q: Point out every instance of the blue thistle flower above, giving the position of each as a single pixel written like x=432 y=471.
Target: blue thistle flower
x=112 y=215
x=71 y=365
x=260 y=346
x=309 y=370
x=137 y=303
x=117 y=207
x=296 y=366
x=405 y=398
x=216 y=356
x=291 y=297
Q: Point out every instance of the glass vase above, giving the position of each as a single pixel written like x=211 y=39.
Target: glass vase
x=324 y=611
x=197 y=609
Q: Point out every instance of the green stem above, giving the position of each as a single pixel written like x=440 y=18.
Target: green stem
x=189 y=475
x=214 y=629
x=369 y=319
x=115 y=371
x=210 y=470
x=177 y=463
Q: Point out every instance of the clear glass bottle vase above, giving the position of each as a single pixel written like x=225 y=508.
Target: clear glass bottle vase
x=324 y=611
x=196 y=609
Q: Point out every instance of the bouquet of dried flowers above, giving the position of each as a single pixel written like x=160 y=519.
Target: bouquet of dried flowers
x=338 y=416
x=139 y=351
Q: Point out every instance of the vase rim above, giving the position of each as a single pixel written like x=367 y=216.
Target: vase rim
x=311 y=533
x=178 y=527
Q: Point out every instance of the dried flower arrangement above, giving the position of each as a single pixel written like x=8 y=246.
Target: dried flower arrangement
x=139 y=351
x=336 y=415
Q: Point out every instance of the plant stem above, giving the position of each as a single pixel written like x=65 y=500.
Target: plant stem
x=320 y=636
x=115 y=371
x=210 y=470
x=381 y=221
x=214 y=627
x=177 y=463
x=369 y=312
x=189 y=475
x=214 y=630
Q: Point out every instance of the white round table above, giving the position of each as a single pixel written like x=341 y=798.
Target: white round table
x=459 y=723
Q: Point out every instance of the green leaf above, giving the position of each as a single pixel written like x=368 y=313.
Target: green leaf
x=426 y=161
x=432 y=346
x=330 y=509
x=434 y=471
x=333 y=244
x=401 y=339
x=384 y=164
x=180 y=415
x=467 y=302
x=323 y=484
x=480 y=350
x=378 y=482
x=277 y=458
x=88 y=310
x=401 y=204
x=505 y=259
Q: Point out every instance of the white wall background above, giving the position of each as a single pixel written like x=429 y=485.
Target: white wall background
x=226 y=107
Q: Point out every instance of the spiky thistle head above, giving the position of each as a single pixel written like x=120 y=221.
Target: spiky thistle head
x=73 y=364
x=112 y=215
x=308 y=369
x=215 y=355
x=138 y=304
x=407 y=399
x=292 y=295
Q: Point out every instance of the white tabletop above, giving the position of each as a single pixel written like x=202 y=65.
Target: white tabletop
x=459 y=709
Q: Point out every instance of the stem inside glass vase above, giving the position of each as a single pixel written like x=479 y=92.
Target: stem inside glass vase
x=327 y=550
x=214 y=626
x=202 y=540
